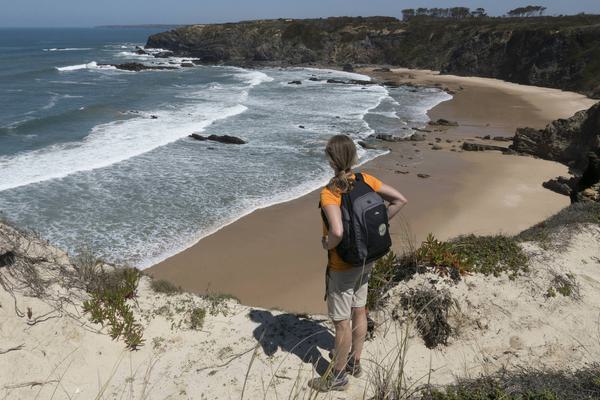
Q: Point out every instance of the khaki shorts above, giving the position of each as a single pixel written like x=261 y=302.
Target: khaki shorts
x=346 y=290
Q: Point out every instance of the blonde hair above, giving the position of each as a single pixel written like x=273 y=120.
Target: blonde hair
x=341 y=152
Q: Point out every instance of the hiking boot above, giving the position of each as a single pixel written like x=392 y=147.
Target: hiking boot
x=352 y=367
x=329 y=383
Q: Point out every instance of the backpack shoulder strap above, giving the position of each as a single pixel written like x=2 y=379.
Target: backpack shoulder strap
x=358 y=177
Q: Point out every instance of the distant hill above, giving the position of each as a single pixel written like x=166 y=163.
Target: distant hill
x=146 y=26
x=559 y=52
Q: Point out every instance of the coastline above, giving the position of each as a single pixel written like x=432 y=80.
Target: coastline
x=261 y=257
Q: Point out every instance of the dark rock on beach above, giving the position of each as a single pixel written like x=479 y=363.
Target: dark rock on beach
x=335 y=81
x=484 y=147
x=443 y=122
x=560 y=185
x=417 y=137
x=219 y=138
x=295 y=83
x=423 y=176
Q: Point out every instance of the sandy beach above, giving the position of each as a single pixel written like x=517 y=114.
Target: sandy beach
x=272 y=258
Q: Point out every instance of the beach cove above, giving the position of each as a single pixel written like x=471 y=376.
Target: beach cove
x=273 y=258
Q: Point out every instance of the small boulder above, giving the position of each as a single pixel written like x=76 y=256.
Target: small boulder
x=443 y=122
x=417 y=137
x=366 y=145
x=436 y=147
x=423 y=176
x=294 y=83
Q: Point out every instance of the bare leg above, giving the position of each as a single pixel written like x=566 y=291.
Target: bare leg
x=359 y=330
x=343 y=341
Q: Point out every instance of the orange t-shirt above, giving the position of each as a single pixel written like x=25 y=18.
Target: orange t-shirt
x=330 y=198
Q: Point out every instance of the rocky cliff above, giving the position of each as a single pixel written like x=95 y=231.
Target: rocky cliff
x=574 y=142
x=560 y=52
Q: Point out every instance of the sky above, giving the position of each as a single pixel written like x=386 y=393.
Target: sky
x=78 y=13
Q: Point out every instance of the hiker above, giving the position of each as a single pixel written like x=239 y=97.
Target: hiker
x=351 y=253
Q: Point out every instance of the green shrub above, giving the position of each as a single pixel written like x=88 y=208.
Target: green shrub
x=164 y=286
x=382 y=279
x=491 y=255
x=108 y=304
x=524 y=384
x=443 y=258
x=566 y=285
x=197 y=316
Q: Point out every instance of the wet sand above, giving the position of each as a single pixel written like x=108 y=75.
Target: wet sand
x=273 y=258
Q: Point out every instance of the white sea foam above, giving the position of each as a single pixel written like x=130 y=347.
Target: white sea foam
x=108 y=144
x=69 y=49
x=90 y=65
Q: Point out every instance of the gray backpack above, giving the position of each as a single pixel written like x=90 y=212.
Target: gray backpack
x=366 y=235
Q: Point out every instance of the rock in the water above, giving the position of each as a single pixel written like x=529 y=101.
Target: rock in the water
x=154 y=116
x=187 y=64
x=366 y=145
x=301 y=126
x=313 y=79
x=443 y=122
x=391 y=84
x=335 y=81
x=386 y=137
x=295 y=83
x=136 y=67
x=360 y=82
x=219 y=138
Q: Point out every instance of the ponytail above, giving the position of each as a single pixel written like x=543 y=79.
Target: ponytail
x=341 y=152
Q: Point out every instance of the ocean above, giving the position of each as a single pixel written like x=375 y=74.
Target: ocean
x=97 y=158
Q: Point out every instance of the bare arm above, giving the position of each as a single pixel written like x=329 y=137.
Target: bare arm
x=394 y=197
x=336 y=229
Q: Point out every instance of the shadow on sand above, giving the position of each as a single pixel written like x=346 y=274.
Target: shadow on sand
x=293 y=334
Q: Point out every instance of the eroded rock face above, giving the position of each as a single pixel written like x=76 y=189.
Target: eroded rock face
x=565 y=140
x=552 y=51
x=575 y=142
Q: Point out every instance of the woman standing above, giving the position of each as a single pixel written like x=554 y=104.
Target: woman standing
x=347 y=284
